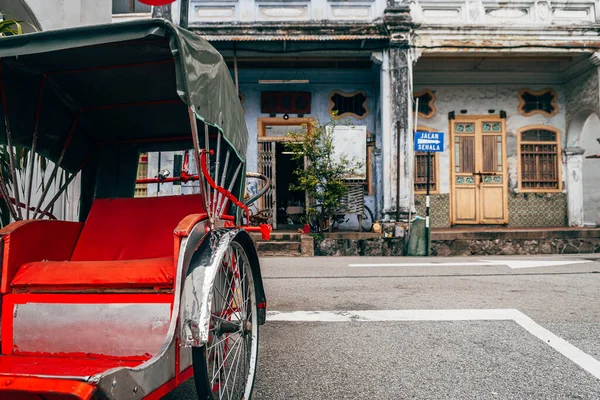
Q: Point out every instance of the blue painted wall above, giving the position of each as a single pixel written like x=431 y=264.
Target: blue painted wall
x=322 y=82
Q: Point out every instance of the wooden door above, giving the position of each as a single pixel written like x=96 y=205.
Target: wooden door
x=479 y=176
x=266 y=166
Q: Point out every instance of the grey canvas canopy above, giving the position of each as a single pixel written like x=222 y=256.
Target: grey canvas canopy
x=84 y=88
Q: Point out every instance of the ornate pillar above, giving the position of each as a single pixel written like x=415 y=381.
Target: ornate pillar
x=574 y=170
x=396 y=113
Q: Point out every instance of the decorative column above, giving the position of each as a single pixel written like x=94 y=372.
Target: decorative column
x=574 y=170
x=396 y=114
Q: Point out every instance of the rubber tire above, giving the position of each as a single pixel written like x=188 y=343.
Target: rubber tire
x=202 y=382
x=367 y=210
x=203 y=389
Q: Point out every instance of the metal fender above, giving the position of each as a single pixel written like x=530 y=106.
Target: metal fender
x=194 y=316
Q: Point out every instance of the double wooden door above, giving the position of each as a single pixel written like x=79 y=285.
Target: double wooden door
x=479 y=179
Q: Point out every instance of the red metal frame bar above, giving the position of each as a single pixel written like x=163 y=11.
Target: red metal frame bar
x=184 y=177
x=25 y=386
x=220 y=189
x=30 y=208
x=170 y=385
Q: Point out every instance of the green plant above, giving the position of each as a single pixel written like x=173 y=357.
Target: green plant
x=322 y=176
x=11 y=27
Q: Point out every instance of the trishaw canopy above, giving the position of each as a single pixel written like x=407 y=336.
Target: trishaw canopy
x=88 y=88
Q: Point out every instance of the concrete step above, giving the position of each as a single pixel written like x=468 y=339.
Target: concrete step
x=279 y=248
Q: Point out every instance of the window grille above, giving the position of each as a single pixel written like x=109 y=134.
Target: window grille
x=348 y=104
x=129 y=7
x=426 y=103
x=421 y=173
x=538 y=102
x=539 y=158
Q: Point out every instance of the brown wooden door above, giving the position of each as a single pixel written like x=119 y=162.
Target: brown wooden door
x=479 y=176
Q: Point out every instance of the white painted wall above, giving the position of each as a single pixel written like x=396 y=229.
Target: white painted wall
x=478 y=100
x=202 y=11
x=57 y=14
x=591 y=171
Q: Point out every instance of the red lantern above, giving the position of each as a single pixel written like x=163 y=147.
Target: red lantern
x=157 y=2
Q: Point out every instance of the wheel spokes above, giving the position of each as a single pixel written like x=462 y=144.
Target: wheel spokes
x=232 y=326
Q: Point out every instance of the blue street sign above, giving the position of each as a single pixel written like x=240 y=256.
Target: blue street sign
x=429 y=141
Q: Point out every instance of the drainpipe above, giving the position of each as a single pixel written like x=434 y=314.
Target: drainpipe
x=397 y=171
x=387 y=143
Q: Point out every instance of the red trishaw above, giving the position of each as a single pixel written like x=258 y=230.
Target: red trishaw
x=142 y=293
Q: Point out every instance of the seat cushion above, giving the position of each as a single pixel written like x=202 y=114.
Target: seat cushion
x=156 y=273
x=133 y=229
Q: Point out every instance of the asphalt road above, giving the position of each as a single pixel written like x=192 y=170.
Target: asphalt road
x=345 y=343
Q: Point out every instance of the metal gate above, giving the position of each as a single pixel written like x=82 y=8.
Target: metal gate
x=266 y=166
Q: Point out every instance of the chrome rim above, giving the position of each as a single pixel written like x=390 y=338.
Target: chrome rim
x=232 y=347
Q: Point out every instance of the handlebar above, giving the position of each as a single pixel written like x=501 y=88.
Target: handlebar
x=184 y=177
x=265 y=188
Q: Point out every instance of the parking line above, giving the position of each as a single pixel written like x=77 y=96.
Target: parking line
x=576 y=355
x=513 y=264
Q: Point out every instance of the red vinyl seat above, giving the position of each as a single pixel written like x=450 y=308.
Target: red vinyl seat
x=153 y=273
x=124 y=244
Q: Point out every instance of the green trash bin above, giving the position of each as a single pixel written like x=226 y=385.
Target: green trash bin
x=417 y=245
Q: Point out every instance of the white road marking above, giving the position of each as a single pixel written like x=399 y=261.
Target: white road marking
x=518 y=264
x=513 y=264
x=430 y=264
x=577 y=356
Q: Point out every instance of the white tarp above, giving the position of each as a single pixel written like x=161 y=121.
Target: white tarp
x=351 y=141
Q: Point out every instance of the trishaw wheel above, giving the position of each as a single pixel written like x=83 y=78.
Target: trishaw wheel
x=226 y=366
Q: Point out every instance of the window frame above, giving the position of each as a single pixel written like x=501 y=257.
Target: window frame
x=365 y=105
x=431 y=103
x=520 y=142
x=538 y=93
x=436 y=163
x=133 y=11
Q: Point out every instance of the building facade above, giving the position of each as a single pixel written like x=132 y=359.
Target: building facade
x=513 y=85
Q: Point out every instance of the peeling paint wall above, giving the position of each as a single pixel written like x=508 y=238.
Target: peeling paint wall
x=322 y=83
x=591 y=171
x=583 y=178
x=398 y=157
x=69 y=13
x=479 y=100
x=581 y=97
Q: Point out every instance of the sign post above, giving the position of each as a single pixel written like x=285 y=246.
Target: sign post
x=429 y=142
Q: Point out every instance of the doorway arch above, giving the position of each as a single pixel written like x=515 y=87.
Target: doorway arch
x=590 y=134
x=583 y=173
